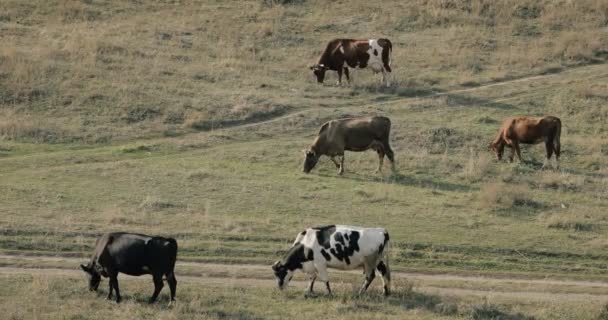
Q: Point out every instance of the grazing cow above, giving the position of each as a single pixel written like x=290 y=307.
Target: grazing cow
x=135 y=255
x=338 y=247
x=340 y=54
x=528 y=130
x=351 y=134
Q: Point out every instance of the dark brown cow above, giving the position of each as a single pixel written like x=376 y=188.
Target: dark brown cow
x=132 y=254
x=352 y=134
x=340 y=54
x=528 y=130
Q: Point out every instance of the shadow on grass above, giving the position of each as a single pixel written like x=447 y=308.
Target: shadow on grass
x=410 y=299
x=405 y=180
x=414 y=181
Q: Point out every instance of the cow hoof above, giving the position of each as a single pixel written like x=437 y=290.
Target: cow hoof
x=171 y=303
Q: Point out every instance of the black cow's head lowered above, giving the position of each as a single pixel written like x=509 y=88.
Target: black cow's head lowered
x=294 y=260
x=319 y=71
x=282 y=274
x=310 y=160
x=94 y=276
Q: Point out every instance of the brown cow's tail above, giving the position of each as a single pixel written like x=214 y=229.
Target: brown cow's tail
x=556 y=143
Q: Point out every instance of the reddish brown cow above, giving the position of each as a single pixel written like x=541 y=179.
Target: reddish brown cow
x=340 y=54
x=528 y=130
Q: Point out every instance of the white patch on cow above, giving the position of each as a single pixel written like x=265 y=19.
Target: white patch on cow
x=341 y=49
x=369 y=241
x=145 y=268
x=375 y=61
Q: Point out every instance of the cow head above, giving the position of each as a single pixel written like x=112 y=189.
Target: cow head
x=498 y=147
x=319 y=71
x=310 y=160
x=282 y=273
x=94 y=276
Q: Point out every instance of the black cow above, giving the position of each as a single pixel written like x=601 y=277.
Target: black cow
x=135 y=255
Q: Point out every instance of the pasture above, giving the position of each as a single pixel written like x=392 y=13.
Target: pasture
x=188 y=119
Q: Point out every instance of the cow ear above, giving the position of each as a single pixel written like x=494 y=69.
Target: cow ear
x=276 y=266
x=85 y=268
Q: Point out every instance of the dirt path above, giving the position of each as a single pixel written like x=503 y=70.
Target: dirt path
x=269 y=283
x=440 y=284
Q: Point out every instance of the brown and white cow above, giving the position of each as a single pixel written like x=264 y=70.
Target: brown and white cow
x=341 y=54
x=528 y=130
x=351 y=134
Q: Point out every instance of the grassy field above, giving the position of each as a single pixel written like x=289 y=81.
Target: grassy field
x=188 y=119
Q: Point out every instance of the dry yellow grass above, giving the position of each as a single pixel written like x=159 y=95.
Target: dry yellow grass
x=127 y=69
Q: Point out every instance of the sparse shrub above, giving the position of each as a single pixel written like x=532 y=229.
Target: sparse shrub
x=502 y=197
x=141 y=113
x=560 y=180
x=139 y=148
x=487 y=120
x=488 y=311
x=569 y=221
x=446 y=309
x=199 y=175
x=175 y=116
x=603 y=315
x=281 y=2
x=477 y=166
x=155 y=204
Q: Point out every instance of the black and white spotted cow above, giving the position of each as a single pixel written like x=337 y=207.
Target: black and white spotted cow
x=338 y=247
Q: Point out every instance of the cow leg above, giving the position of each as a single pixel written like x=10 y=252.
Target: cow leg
x=158 y=286
x=389 y=153
x=369 y=277
x=385 y=78
x=328 y=288
x=517 y=150
x=386 y=276
x=111 y=289
x=114 y=283
x=512 y=153
x=333 y=159
x=172 y=284
x=341 y=170
x=310 y=291
x=557 y=149
x=323 y=276
x=380 y=151
x=339 y=77
x=347 y=74
x=549 y=149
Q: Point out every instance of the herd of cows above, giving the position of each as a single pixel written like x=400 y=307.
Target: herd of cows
x=316 y=249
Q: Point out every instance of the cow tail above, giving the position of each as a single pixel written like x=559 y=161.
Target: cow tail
x=385 y=255
x=556 y=143
x=172 y=246
x=558 y=132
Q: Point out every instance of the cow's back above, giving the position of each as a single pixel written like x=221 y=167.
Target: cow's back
x=137 y=254
x=347 y=246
